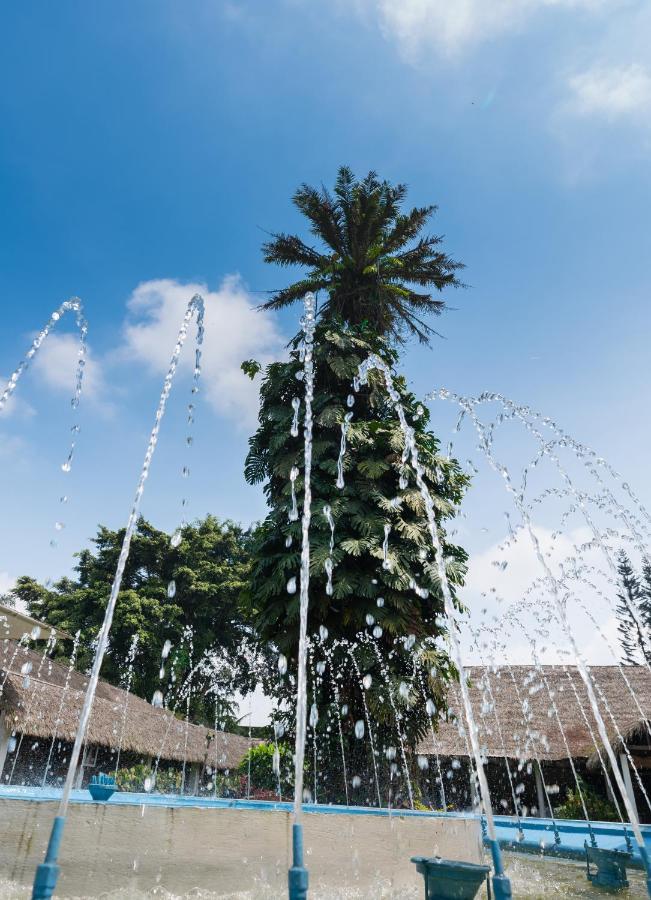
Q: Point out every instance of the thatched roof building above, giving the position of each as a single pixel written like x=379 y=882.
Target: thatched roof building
x=523 y=712
x=14 y=625
x=45 y=703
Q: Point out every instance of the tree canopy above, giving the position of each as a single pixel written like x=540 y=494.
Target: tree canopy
x=634 y=611
x=379 y=609
x=373 y=263
x=188 y=595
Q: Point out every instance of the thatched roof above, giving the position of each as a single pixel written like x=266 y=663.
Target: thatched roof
x=504 y=698
x=39 y=705
x=15 y=625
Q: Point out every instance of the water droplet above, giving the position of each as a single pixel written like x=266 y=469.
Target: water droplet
x=430 y=706
x=423 y=763
x=344 y=710
x=367 y=681
x=26 y=668
x=291 y=585
x=359 y=729
x=369 y=620
x=59 y=526
x=289 y=540
x=323 y=633
x=36 y=632
x=350 y=400
x=167 y=646
x=314 y=715
x=176 y=538
x=148 y=784
x=403 y=690
x=356 y=782
x=320 y=667
x=157 y=699
x=171 y=589
x=377 y=632
x=380 y=601
x=282 y=663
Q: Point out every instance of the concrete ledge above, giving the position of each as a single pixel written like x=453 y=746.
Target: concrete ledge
x=114 y=846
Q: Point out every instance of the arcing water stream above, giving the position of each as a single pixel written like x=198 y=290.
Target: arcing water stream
x=542 y=613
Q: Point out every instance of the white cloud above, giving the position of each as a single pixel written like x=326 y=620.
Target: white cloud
x=14 y=407
x=499 y=579
x=56 y=365
x=234 y=331
x=611 y=92
x=452 y=26
x=6 y=582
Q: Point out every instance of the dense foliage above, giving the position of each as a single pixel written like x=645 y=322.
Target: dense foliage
x=188 y=595
x=599 y=808
x=634 y=611
x=378 y=656
x=374 y=262
x=382 y=614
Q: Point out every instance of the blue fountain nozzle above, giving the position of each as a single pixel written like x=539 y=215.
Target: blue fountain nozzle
x=501 y=887
x=298 y=876
x=47 y=873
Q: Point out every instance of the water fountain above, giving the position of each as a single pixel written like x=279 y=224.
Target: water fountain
x=548 y=603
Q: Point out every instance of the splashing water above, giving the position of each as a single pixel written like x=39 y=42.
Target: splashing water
x=345 y=427
x=329 y=564
x=75 y=306
x=195 y=307
x=411 y=452
x=296 y=405
x=308 y=324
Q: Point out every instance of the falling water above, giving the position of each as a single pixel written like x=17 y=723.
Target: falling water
x=64 y=694
x=308 y=324
x=73 y=305
x=345 y=427
x=555 y=593
x=127 y=689
x=411 y=452
x=327 y=512
x=195 y=307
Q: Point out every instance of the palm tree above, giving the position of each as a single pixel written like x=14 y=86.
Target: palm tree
x=374 y=258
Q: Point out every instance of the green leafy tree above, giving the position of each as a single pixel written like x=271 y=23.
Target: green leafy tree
x=381 y=612
x=382 y=279
x=599 y=808
x=188 y=595
x=632 y=610
x=373 y=263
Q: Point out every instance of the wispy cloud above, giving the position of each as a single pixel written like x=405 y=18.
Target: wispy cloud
x=56 y=366
x=234 y=331
x=455 y=27
x=14 y=407
x=611 y=92
x=6 y=582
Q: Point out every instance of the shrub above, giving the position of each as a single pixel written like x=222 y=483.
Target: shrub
x=263 y=777
x=599 y=808
x=168 y=781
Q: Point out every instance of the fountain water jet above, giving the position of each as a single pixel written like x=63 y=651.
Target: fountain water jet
x=47 y=873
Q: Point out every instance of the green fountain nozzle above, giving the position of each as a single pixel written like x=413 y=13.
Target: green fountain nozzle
x=298 y=876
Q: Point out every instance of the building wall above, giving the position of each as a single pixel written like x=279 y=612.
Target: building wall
x=134 y=848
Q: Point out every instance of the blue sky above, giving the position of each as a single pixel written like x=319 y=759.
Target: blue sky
x=147 y=148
